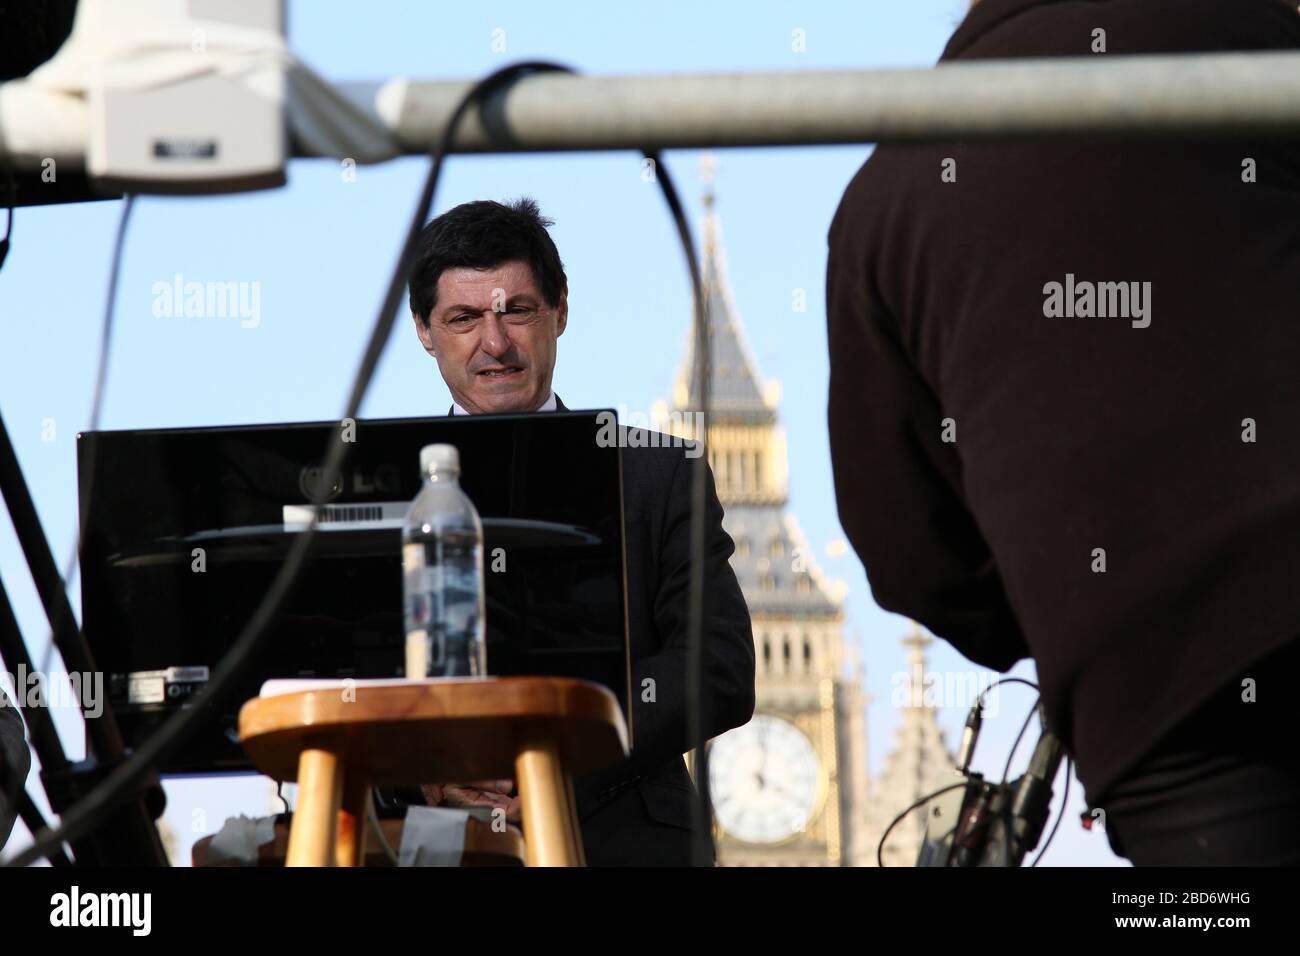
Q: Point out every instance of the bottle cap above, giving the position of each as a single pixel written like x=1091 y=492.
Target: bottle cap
x=440 y=459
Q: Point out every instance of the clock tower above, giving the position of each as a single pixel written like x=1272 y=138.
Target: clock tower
x=789 y=787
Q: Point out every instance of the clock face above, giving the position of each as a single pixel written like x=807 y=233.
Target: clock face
x=764 y=779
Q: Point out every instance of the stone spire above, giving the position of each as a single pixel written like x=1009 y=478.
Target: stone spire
x=920 y=762
x=736 y=389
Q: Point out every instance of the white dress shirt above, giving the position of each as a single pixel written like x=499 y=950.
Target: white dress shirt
x=547 y=406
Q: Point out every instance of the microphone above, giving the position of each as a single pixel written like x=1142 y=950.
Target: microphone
x=1033 y=795
x=969 y=734
x=981 y=823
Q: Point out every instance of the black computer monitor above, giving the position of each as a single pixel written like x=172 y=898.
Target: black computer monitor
x=187 y=527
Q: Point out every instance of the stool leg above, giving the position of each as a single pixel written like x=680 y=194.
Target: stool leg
x=350 y=840
x=549 y=834
x=574 y=822
x=320 y=792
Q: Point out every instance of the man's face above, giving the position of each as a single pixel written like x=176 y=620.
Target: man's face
x=494 y=337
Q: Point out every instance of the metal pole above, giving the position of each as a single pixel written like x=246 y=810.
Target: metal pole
x=1169 y=95
x=102 y=732
x=1075 y=97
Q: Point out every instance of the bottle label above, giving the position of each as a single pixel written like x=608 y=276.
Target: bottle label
x=444 y=607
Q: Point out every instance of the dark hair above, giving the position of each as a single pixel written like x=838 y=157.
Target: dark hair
x=481 y=235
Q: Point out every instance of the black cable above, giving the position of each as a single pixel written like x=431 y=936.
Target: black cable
x=1006 y=810
x=1006 y=771
x=1004 y=680
x=105 y=343
x=85 y=816
x=33 y=820
x=1065 y=796
x=880 y=847
x=701 y=807
x=9 y=216
x=73 y=563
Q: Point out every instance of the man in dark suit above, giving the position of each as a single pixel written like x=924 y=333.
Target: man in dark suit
x=489 y=299
x=1062 y=416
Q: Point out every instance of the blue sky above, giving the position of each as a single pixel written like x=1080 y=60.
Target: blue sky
x=323 y=247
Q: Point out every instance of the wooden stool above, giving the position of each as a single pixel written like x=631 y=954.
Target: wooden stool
x=338 y=742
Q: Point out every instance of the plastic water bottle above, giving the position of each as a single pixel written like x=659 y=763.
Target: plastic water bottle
x=442 y=566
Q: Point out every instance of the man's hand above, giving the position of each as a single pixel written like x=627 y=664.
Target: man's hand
x=481 y=793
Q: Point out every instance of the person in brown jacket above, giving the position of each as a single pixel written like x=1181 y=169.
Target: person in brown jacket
x=1064 y=415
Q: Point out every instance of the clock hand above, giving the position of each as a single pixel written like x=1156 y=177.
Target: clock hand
x=780 y=790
